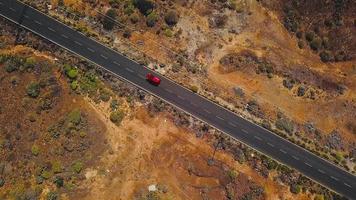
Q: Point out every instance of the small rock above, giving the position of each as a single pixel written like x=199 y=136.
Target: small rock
x=152 y=188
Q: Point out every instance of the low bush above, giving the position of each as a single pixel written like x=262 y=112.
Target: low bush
x=77 y=167
x=73 y=73
x=74 y=85
x=35 y=150
x=194 y=88
x=33 y=90
x=52 y=196
x=326 y=56
x=285 y=124
x=74 y=116
x=114 y=105
x=56 y=167
x=171 y=18
x=151 y=19
x=316 y=43
x=105 y=95
x=117 y=116
x=109 y=19
x=295 y=188
x=168 y=32
x=310 y=36
x=144 y=6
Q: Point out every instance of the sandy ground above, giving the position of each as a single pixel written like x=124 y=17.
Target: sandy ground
x=149 y=150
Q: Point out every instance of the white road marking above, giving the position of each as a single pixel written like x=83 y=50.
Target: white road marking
x=180 y=97
x=142 y=76
x=37 y=22
x=116 y=63
x=194 y=104
x=270 y=144
x=12 y=9
x=168 y=90
x=207 y=111
x=220 y=118
x=103 y=56
x=308 y=164
x=243 y=130
x=295 y=157
x=51 y=29
x=130 y=70
x=258 y=138
x=321 y=171
x=232 y=124
x=334 y=178
x=78 y=43
x=25 y=16
x=281 y=150
x=64 y=36
x=347 y=185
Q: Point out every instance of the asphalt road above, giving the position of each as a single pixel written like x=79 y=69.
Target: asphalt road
x=251 y=134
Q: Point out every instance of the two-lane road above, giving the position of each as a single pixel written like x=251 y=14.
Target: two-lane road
x=251 y=134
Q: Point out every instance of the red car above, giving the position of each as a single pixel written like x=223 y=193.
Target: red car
x=153 y=79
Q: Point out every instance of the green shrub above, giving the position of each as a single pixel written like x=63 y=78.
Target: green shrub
x=134 y=18
x=310 y=36
x=285 y=124
x=105 y=95
x=129 y=8
x=109 y=19
x=77 y=167
x=74 y=116
x=114 y=105
x=35 y=150
x=33 y=90
x=56 y=167
x=171 y=18
x=232 y=174
x=339 y=157
x=301 y=44
x=194 y=88
x=316 y=43
x=326 y=56
x=74 y=85
x=73 y=73
x=151 y=19
x=168 y=32
x=52 y=196
x=82 y=134
x=295 y=189
x=319 y=197
x=117 y=116
x=144 y=6
x=89 y=83
x=59 y=181
x=46 y=174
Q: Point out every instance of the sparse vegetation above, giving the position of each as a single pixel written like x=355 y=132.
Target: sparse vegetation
x=117 y=116
x=33 y=90
x=151 y=19
x=109 y=19
x=77 y=167
x=171 y=18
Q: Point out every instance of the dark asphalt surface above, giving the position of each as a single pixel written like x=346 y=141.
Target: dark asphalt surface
x=260 y=139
